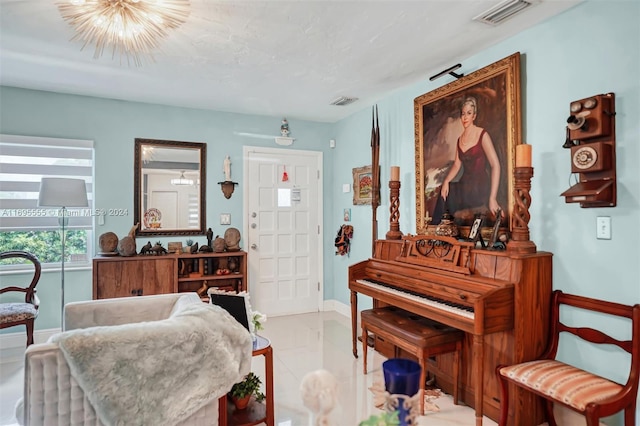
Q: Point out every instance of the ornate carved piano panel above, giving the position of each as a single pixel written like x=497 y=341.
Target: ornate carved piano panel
x=500 y=299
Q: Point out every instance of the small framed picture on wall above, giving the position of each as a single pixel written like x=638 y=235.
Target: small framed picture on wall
x=347 y=215
x=362 y=185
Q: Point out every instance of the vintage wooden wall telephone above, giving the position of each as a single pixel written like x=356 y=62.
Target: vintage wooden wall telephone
x=591 y=136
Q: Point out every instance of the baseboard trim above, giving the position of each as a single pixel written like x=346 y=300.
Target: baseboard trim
x=19 y=340
x=339 y=307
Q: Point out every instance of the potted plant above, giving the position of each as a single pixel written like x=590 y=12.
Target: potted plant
x=382 y=419
x=242 y=392
x=258 y=319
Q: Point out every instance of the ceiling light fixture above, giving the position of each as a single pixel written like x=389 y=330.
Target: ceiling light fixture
x=181 y=181
x=130 y=27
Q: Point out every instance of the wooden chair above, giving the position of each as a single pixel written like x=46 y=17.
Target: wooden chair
x=18 y=313
x=589 y=394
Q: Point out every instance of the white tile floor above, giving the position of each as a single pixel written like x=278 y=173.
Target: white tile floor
x=301 y=343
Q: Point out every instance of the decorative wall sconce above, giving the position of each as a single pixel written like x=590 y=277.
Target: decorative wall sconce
x=591 y=136
x=227 y=185
x=227 y=188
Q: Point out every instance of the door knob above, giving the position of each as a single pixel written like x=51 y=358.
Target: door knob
x=254 y=247
x=253 y=226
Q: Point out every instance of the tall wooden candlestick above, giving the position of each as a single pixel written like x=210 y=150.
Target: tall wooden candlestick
x=394 y=211
x=520 y=242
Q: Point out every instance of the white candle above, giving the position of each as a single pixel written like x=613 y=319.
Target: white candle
x=395 y=173
x=523 y=155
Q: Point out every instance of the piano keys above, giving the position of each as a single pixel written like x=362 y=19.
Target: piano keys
x=499 y=299
x=421 y=300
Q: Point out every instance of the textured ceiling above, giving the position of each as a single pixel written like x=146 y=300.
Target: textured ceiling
x=277 y=58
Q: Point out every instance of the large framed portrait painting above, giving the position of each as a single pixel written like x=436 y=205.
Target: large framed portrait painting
x=465 y=137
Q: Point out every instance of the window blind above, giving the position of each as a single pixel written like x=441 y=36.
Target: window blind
x=24 y=161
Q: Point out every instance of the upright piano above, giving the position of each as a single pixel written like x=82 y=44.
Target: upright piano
x=500 y=299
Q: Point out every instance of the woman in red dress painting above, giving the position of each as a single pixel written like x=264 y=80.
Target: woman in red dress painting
x=477 y=189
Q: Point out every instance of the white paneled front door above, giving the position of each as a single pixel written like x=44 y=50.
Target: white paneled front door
x=283 y=214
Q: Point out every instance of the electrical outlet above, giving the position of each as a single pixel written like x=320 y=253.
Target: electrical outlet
x=225 y=219
x=603 y=227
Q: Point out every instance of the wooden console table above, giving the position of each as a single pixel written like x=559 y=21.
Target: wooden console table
x=118 y=276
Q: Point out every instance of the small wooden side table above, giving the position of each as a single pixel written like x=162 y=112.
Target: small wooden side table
x=256 y=412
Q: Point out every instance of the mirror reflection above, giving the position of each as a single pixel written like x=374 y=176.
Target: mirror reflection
x=169 y=187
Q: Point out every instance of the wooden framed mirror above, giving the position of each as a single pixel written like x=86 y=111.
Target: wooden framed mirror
x=169 y=187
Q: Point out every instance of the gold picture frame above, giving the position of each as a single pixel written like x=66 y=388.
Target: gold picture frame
x=494 y=94
x=362 y=185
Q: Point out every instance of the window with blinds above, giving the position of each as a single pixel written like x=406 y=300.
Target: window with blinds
x=24 y=161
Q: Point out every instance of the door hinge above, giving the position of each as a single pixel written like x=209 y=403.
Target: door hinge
x=318 y=174
x=318 y=229
x=318 y=285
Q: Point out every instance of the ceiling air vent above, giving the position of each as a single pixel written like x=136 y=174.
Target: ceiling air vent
x=503 y=11
x=343 y=100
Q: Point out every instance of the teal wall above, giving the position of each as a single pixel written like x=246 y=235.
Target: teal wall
x=113 y=126
x=590 y=49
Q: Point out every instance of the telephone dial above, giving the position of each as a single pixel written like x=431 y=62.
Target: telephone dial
x=591 y=138
x=593 y=157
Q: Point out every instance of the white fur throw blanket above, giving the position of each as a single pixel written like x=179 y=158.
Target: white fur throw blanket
x=159 y=372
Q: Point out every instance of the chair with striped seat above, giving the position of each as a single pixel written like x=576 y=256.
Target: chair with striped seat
x=19 y=313
x=584 y=392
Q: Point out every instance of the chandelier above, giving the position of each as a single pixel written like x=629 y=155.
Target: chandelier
x=129 y=27
x=181 y=181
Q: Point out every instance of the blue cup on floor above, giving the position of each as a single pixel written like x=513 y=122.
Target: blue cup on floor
x=401 y=377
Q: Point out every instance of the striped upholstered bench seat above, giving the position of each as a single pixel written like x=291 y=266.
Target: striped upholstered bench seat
x=562 y=382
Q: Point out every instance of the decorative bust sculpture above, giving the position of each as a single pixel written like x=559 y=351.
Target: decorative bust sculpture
x=232 y=239
x=108 y=242
x=218 y=244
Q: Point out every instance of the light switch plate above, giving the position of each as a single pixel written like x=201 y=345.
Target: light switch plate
x=225 y=219
x=603 y=227
x=346 y=187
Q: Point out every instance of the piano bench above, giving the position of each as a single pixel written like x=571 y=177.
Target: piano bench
x=420 y=336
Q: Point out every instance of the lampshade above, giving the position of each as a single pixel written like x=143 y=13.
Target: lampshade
x=62 y=192
x=181 y=180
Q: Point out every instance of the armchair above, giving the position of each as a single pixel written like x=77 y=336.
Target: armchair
x=16 y=313
x=174 y=370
